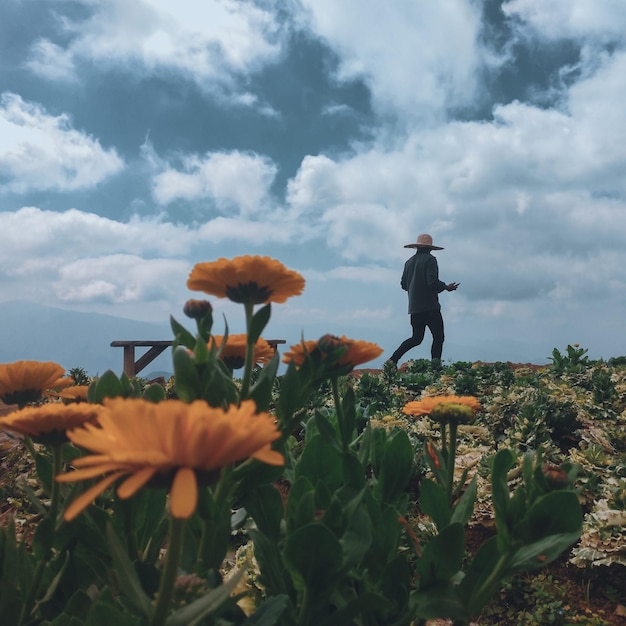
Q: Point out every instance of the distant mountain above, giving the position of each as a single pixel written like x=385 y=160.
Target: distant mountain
x=31 y=331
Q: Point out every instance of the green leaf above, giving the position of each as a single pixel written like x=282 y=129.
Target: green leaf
x=148 y=507
x=75 y=611
x=440 y=601
x=261 y=392
x=542 y=552
x=395 y=469
x=44 y=534
x=52 y=587
x=188 y=383
x=32 y=496
x=442 y=556
x=107 y=386
x=365 y=604
x=44 y=471
x=194 y=613
x=130 y=584
x=347 y=422
x=464 y=508
x=554 y=513
x=314 y=555
x=552 y=524
x=434 y=502
x=357 y=538
x=265 y=506
x=385 y=534
x=259 y=322
x=182 y=336
x=154 y=393
x=501 y=496
x=479 y=584
x=353 y=471
x=320 y=461
x=327 y=431
x=396 y=582
x=104 y=612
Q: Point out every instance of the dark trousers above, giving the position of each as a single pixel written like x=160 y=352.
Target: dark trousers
x=420 y=321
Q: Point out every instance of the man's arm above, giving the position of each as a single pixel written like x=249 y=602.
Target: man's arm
x=432 y=276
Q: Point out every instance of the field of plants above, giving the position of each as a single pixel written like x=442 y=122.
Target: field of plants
x=574 y=410
x=330 y=495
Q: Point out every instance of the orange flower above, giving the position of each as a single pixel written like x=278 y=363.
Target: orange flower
x=22 y=382
x=77 y=393
x=299 y=352
x=170 y=441
x=46 y=422
x=425 y=406
x=445 y=409
x=247 y=279
x=234 y=352
x=355 y=352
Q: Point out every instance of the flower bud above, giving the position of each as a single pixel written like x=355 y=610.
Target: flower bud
x=556 y=477
x=197 y=309
x=447 y=413
x=330 y=343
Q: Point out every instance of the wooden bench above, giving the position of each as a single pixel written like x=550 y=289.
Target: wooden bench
x=132 y=367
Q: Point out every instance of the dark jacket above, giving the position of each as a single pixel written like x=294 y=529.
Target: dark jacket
x=421 y=279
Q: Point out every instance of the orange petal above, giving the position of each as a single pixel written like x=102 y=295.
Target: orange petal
x=184 y=494
x=269 y=456
x=135 y=482
x=86 y=498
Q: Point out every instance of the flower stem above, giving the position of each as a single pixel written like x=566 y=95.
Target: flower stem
x=55 y=488
x=451 y=459
x=337 y=399
x=170 y=569
x=32 y=592
x=247 y=369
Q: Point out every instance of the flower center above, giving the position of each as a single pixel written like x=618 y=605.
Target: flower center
x=248 y=292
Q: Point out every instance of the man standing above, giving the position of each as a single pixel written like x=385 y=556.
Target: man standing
x=420 y=279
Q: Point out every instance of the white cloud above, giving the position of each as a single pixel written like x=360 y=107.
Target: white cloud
x=120 y=279
x=210 y=42
x=231 y=180
x=40 y=151
x=52 y=61
x=418 y=58
x=555 y=19
x=33 y=232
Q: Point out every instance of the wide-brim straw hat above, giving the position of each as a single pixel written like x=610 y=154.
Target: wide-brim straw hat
x=423 y=241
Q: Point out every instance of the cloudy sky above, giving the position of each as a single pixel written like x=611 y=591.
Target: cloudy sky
x=138 y=137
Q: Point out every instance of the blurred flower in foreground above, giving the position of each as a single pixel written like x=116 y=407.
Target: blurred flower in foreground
x=350 y=352
x=171 y=443
x=246 y=279
x=48 y=423
x=76 y=393
x=458 y=409
x=22 y=382
x=233 y=353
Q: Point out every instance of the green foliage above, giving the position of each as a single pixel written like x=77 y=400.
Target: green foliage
x=336 y=545
x=372 y=394
x=602 y=385
x=109 y=385
x=79 y=376
x=574 y=361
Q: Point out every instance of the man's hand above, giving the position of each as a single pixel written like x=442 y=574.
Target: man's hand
x=452 y=286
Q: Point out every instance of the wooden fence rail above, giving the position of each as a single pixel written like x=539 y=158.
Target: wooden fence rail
x=133 y=366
